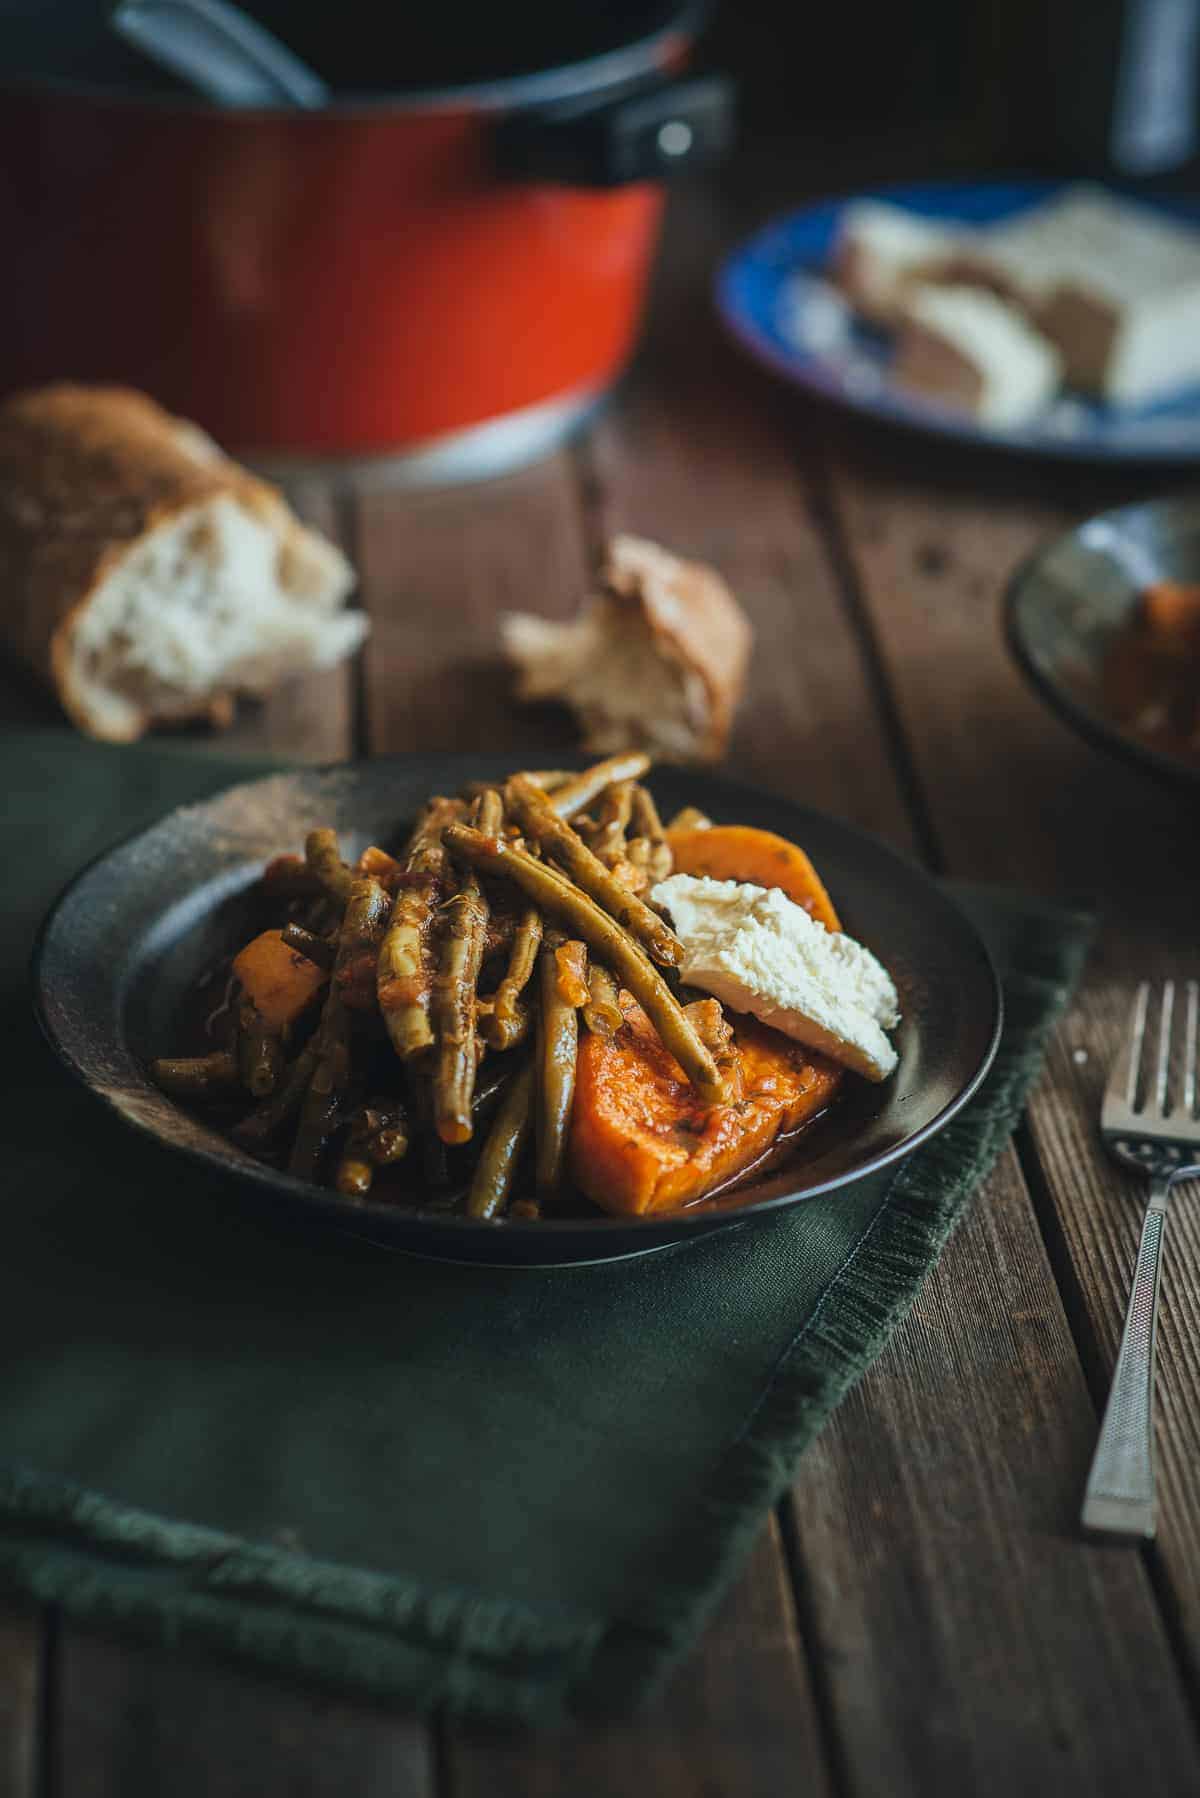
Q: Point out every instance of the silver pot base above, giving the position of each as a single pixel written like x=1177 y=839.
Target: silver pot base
x=477 y=454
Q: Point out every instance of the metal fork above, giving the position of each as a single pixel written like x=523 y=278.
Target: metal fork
x=1159 y=1136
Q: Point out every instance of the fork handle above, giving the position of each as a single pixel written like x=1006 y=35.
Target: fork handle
x=1120 y=1491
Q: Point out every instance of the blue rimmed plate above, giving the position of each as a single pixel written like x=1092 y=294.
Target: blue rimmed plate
x=772 y=295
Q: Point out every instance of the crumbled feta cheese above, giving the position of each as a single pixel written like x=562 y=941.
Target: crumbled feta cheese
x=758 y=951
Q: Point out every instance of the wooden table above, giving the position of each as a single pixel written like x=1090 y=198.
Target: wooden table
x=921 y=1615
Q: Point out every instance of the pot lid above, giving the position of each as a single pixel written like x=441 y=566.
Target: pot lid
x=365 y=50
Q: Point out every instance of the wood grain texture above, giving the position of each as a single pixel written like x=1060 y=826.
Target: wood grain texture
x=737 y=1719
x=20 y=1696
x=887 y=1593
x=141 y=1724
x=438 y=569
x=1014 y=796
x=1094 y=1212
x=968 y=1641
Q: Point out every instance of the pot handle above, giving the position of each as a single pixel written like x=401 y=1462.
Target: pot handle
x=640 y=134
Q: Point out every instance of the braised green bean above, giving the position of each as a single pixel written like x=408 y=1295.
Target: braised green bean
x=715 y=1031
x=268 y=1119
x=404 y=972
x=319 y=1111
x=557 y=1048
x=497 y=1166
x=378 y=862
x=602 y=1013
x=508 y=1018
x=690 y=818
x=570 y=965
x=259 y=1051
x=368 y=908
x=612 y=821
x=649 y=838
x=606 y=940
x=574 y=794
x=506 y=1032
x=548 y=778
x=435 y=1171
x=454 y=999
x=317 y=949
x=362 y=924
x=324 y=859
x=195 y=1076
x=560 y=841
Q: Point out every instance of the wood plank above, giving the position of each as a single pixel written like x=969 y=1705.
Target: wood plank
x=1015 y=796
x=21 y=1645
x=138 y=1723
x=969 y=1641
x=439 y=568
x=709 y=466
x=1094 y=1212
x=735 y=1718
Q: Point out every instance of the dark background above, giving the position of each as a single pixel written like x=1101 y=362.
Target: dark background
x=1014 y=85
x=1021 y=85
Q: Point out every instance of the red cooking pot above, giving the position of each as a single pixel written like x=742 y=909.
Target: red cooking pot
x=444 y=276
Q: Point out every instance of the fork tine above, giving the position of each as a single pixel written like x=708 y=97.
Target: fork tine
x=1166 y=1018
x=1123 y=1081
x=1189 y=1053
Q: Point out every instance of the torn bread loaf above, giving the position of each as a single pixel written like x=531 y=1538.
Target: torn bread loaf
x=656 y=660
x=146 y=576
x=965 y=348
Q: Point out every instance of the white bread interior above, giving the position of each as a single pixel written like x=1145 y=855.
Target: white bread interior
x=146 y=575
x=655 y=660
x=213 y=601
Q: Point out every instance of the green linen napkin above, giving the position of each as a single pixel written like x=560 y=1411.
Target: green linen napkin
x=509 y=1493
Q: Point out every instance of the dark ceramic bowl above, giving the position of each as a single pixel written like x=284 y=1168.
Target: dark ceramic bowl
x=126 y=944
x=1068 y=601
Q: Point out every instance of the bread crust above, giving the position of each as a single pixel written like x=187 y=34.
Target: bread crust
x=85 y=474
x=693 y=615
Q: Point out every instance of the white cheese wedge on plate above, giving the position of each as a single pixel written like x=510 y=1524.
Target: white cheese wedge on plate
x=967 y=348
x=1114 y=284
x=757 y=951
x=881 y=251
